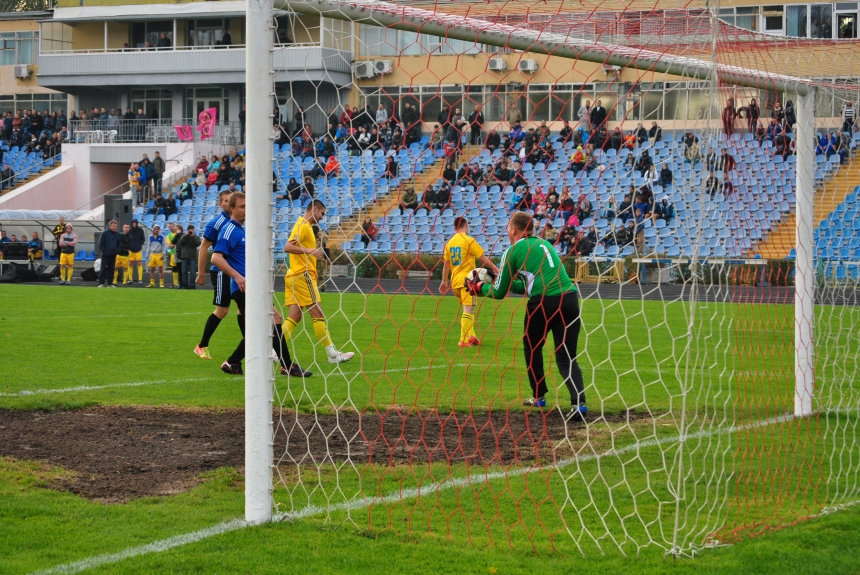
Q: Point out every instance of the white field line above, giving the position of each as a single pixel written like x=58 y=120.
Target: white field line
x=400 y=495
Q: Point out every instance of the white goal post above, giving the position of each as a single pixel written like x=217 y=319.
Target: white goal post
x=259 y=93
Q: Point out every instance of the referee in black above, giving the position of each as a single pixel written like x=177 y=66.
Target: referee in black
x=532 y=267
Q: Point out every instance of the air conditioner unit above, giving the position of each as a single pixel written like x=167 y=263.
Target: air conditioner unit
x=607 y=69
x=529 y=66
x=22 y=71
x=383 y=66
x=364 y=70
x=497 y=65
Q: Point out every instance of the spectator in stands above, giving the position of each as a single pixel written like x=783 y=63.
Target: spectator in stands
x=566 y=132
x=728 y=116
x=185 y=192
x=163 y=41
x=347 y=116
x=398 y=142
x=726 y=161
x=641 y=134
x=666 y=176
x=186 y=253
x=110 y=242
x=518 y=200
x=476 y=124
x=340 y=134
x=645 y=162
x=134 y=183
x=627 y=235
x=711 y=160
x=375 y=140
x=655 y=133
x=566 y=205
x=641 y=207
x=436 y=138
x=200 y=180
x=294 y=190
x=409 y=200
x=368 y=229
x=6 y=177
x=443 y=196
x=363 y=138
x=778 y=113
x=584 y=116
x=552 y=203
x=664 y=210
x=391 y=167
x=584 y=208
x=577 y=161
x=381 y=117
x=147 y=173
x=517 y=132
x=299 y=118
x=629 y=140
x=503 y=174
x=842 y=147
x=332 y=167
x=774 y=129
x=712 y=184
x=753 y=115
x=616 y=139
x=540 y=207
x=760 y=134
x=847 y=117
x=625 y=208
x=693 y=153
x=169 y=205
x=308 y=190
x=597 y=115
x=203 y=164
x=542 y=132
x=493 y=141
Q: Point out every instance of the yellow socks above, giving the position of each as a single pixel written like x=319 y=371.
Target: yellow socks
x=322 y=332
x=115 y=274
x=176 y=278
x=467 y=326
x=288 y=327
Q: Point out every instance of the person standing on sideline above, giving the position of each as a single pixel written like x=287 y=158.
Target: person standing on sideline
x=58 y=231
x=68 y=241
x=134 y=184
x=753 y=114
x=300 y=283
x=135 y=252
x=122 y=257
x=848 y=118
x=110 y=243
x=729 y=115
x=172 y=238
x=229 y=258
x=220 y=281
x=187 y=248
x=155 y=256
x=460 y=254
x=532 y=267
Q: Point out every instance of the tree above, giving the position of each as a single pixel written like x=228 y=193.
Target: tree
x=26 y=5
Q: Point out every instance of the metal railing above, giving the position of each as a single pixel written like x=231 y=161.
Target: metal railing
x=160 y=131
x=169 y=49
x=54 y=159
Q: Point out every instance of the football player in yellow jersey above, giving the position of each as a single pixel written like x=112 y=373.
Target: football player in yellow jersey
x=460 y=254
x=300 y=283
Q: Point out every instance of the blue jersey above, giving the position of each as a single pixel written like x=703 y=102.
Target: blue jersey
x=231 y=245
x=213 y=228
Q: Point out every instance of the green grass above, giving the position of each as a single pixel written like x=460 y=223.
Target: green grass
x=68 y=347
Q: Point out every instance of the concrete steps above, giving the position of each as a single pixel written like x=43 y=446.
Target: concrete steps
x=351 y=226
x=30 y=179
x=780 y=242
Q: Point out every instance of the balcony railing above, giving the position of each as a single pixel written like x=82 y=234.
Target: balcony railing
x=160 y=131
x=169 y=49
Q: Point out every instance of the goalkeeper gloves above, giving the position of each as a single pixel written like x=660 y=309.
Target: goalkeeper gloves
x=473 y=286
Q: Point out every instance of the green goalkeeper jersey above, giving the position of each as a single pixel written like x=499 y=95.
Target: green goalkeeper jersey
x=531 y=267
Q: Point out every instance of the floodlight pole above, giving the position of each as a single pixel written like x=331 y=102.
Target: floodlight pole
x=258 y=253
x=804 y=275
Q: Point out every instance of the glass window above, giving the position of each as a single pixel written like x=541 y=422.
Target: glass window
x=650 y=105
x=821 y=21
x=746 y=18
x=796 y=21
x=26 y=51
x=407 y=43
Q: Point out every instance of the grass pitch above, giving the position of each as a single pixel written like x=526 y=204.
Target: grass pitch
x=73 y=347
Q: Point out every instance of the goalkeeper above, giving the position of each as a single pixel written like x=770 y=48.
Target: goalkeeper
x=459 y=256
x=553 y=306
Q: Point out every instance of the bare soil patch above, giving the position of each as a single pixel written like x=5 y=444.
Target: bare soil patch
x=122 y=453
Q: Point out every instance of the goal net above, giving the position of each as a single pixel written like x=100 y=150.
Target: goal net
x=666 y=157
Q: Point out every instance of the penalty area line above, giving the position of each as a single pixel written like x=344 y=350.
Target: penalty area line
x=397 y=496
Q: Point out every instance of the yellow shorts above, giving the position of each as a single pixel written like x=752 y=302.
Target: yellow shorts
x=464 y=296
x=121 y=261
x=135 y=256
x=67 y=259
x=301 y=290
x=156 y=260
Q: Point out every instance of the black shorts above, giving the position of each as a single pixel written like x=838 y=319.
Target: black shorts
x=221 y=285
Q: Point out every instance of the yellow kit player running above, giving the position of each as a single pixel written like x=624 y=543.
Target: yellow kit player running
x=460 y=254
x=300 y=283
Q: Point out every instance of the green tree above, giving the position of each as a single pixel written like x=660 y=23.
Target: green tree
x=26 y=5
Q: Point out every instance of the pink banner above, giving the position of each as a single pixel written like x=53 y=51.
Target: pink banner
x=206 y=123
x=184 y=133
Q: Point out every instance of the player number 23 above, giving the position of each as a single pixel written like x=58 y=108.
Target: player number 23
x=456 y=256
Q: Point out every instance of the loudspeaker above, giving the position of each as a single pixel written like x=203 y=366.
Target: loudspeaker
x=20 y=273
x=15 y=251
x=119 y=209
x=51 y=271
x=89 y=275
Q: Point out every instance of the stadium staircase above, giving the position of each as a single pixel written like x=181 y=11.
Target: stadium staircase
x=780 y=242
x=350 y=227
x=27 y=167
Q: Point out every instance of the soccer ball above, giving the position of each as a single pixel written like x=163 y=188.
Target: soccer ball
x=482 y=274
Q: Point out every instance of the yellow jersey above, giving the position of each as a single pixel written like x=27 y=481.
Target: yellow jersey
x=460 y=253
x=303 y=236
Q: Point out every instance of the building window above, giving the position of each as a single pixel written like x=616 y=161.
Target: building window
x=40 y=102
x=143 y=32
x=207 y=32
x=377 y=41
x=156 y=104
x=18 y=48
x=821 y=21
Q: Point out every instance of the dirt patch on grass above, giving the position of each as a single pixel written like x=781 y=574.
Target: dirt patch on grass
x=122 y=453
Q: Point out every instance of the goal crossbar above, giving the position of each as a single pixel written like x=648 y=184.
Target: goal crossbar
x=460 y=27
